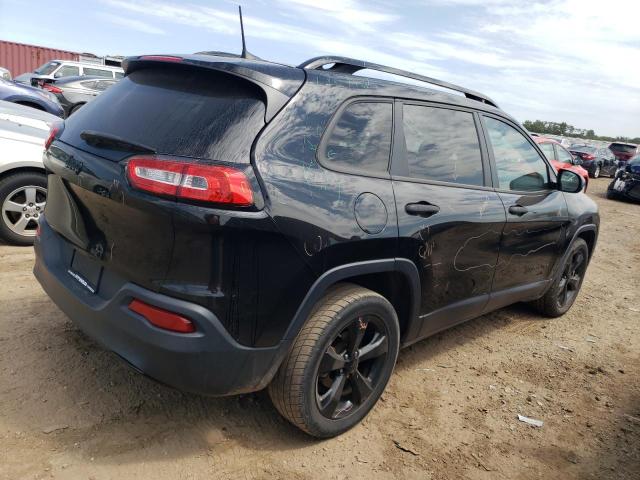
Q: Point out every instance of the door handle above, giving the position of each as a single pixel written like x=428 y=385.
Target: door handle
x=518 y=210
x=421 y=209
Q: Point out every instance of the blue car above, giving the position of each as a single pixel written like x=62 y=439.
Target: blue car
x=30 y=96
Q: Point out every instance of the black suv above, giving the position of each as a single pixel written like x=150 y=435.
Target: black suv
x=226 y=224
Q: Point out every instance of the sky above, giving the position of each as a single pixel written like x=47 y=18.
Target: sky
x=576 y=61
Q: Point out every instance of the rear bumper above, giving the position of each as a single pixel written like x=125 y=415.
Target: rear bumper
x=208 y=361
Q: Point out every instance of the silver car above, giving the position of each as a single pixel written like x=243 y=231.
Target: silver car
x=23 y=184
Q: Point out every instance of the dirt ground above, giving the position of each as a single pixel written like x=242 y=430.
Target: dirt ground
x=71 y=410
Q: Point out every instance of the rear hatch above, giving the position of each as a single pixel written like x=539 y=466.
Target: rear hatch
x=181 y=112
x=623 y=151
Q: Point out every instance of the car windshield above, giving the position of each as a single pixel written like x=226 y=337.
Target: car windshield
x=622 y=148
x=47 y=68
x=635 y=160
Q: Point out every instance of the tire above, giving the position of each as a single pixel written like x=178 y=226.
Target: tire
x=552 y=304
x=302 y=388
x=611 y=194
x=596 y=172
x=15 y=206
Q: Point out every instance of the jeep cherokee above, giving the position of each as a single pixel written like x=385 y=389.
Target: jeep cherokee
x=226 y=224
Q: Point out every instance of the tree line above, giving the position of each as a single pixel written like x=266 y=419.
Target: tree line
x=563 y=128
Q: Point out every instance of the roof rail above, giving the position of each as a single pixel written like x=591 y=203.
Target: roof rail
x=351 y=65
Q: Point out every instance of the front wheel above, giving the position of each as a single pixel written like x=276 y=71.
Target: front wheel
x=22 y=200
x=340 y=362
x=564 y=290
x=596 y=172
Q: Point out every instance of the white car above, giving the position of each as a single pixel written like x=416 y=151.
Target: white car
x=23 y=184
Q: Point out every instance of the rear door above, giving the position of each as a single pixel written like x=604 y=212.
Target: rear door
x=536 y=212
x=450 y=221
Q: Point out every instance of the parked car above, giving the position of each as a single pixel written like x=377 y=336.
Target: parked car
x=626 y=183
x=596 y=161
x=5 y=74
x=23 y=194
x=237 y=224
x=30 y=97
x=561 y=158
x=65 y=68
x=624 y=151
x=74 y=92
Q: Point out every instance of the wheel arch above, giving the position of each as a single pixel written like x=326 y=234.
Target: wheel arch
x=24 y=167
x=377 y=275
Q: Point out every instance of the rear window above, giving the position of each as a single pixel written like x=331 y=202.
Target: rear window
x=622 y=148
x=191 y=113
x=47 y=68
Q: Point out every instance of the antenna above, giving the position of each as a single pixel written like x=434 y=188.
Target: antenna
x=245 y=53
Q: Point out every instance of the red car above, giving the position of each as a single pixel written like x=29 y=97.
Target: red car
x=560 y=157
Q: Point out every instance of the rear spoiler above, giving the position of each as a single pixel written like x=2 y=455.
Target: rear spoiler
x=278 y=82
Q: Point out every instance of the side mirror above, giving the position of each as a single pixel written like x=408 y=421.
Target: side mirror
x=570 y=182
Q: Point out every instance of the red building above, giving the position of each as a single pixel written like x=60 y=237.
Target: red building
x=21 y=58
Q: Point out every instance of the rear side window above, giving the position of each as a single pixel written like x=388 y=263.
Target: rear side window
x=97 y=72
x=519 y=166
x=442 y=145
x=547 y=149
x=361 y=138
x=191 y=113
x=119 y=74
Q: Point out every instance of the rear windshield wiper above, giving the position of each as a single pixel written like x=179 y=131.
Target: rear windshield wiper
x=113 y=142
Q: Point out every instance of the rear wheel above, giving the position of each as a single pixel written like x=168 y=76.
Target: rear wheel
x=560 y=297
x=340 y=362
x=22 y=200
x=596 y=171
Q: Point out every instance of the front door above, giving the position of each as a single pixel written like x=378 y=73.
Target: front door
x=450 y=220
x=536 y=213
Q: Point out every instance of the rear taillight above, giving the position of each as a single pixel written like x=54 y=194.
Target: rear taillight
x=587 y=156
x=51 y=88
x=56 y=128
x=190 y=181
x=162 y=318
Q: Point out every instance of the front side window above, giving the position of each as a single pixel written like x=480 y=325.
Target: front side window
x=119 y=74
x=361 y=138
x=563 y=155
x=67 y=71
x=518 y=164
x=442 y=145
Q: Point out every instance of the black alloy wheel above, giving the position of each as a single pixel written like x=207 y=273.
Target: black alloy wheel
x=340 y=362
x=560 y=296
x=351 y=367
x=571 y=278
